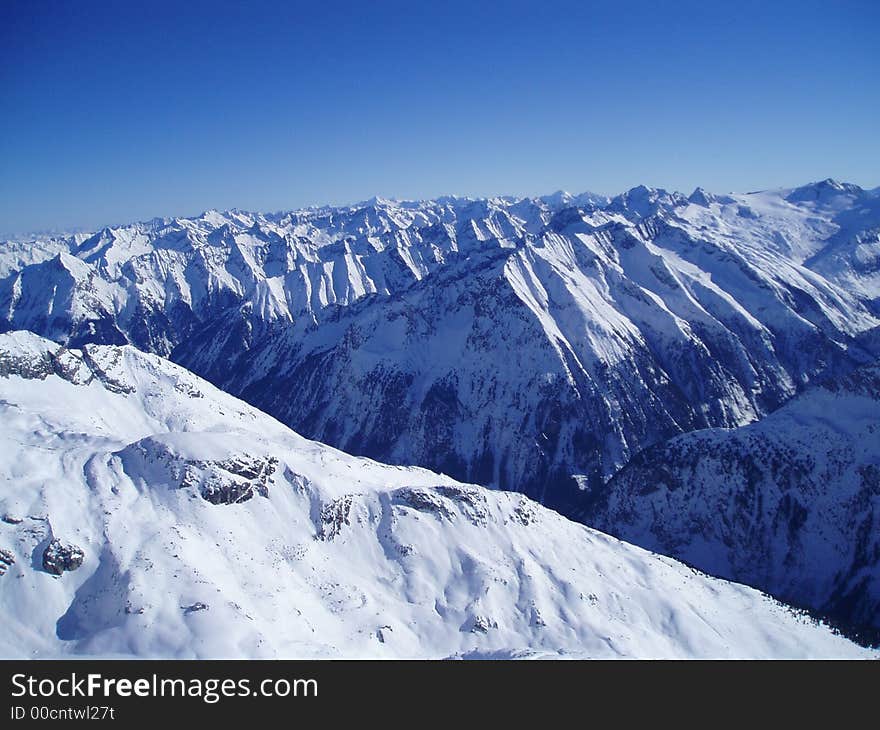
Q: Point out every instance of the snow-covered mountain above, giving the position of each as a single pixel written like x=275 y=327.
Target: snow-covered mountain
x=790 y=504
x=144 y=512
x=534 y=343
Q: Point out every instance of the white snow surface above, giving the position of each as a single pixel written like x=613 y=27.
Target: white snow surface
x=111 y=449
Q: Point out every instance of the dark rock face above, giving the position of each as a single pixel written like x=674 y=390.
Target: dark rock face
x=231 y=481
x=334 y=517
x=58 y=557
x=7 y=560
x=194 y=607
x=790 y=504
x=423 y=500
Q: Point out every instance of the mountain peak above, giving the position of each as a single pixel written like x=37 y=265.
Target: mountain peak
x=823 y=191
x=558 y=199
x=701 y=197
x=377 y=201
x=643 y=201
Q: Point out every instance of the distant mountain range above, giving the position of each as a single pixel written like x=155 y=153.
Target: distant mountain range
x=537 y=345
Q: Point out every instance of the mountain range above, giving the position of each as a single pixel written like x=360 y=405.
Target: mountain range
x=585 y=351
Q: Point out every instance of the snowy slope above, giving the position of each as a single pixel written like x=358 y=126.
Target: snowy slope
x=530 y=342
x=208 y=529
x=17 y=253
x=790 y=504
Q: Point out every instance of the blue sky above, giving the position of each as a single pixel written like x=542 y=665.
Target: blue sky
x=113 y=112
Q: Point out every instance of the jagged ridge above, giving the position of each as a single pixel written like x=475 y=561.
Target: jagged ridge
x=534 y=344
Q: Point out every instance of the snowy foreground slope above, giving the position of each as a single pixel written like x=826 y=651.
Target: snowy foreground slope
x=537 y=342
x=790 y=504
x=208 y=529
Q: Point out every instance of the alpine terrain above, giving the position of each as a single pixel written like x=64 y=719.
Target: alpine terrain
x=697 y=375
x=534 y=344
x=147 y=513
x=790 y=504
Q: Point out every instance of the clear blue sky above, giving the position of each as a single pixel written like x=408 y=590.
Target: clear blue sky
x=112 y=112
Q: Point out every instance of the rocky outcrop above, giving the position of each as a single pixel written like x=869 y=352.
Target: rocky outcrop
x=424 y=500
x=334 y=516
x=195 y=607
x=7 y=560
x=231 y=481
x=58 y=557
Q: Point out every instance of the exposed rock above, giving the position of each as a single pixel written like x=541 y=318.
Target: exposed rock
x=193 y=607
x=298 y=482
x=524 y=512
x=25 y=366
x=423 y=500
x=231 y=481
x=334 y=515
x=58 y=557
x=481 y=624
x=472 y=502
x=7 y=560
x=102 y=370
x=259 y=468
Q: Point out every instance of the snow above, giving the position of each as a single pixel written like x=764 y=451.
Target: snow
x=534 y=344
x=789 y=504
x=110 y=448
